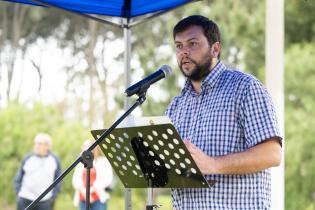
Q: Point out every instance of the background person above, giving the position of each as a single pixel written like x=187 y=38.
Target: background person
x=38 y=170
x=101 y=178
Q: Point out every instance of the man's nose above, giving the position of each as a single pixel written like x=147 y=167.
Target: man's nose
x=184 y=51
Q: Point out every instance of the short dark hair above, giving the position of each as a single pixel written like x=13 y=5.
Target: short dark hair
x=210 y=28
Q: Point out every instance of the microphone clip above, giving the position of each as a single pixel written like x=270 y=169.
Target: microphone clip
x=142 y=95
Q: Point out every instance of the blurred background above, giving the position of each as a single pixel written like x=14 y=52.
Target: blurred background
x=63 y=74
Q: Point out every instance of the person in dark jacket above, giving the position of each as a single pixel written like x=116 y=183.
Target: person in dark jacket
x=37 y=171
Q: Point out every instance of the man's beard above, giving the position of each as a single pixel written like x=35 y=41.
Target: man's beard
x=201 y=69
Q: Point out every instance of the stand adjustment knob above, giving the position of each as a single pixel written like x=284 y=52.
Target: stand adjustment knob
x=153 y=207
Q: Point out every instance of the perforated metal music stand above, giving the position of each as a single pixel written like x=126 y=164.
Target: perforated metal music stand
x=151 y=157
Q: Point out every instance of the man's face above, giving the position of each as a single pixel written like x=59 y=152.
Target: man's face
x=193 y=53
x=41 y=147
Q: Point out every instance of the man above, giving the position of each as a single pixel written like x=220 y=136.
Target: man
x=38 y=170
x=227 y=121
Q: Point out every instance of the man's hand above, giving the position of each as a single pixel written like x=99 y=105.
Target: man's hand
x=205 y=163
x=260 y=157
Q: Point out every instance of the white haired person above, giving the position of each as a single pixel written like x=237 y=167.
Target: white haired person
x=101 y=177
x=38 y=170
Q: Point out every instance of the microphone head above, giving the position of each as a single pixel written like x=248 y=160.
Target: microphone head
x=167 y=70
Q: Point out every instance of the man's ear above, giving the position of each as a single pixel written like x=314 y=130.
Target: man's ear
x=215 y=49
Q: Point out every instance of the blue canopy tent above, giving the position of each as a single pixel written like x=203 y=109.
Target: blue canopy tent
x=130 y=12
x=118 y=8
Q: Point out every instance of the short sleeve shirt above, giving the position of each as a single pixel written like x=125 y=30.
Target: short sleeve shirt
x=232 y=113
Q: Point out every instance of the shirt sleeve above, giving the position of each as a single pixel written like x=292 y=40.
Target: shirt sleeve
x=19 y=175
x=104 y=173
x=18 y=178
x=171 y=108
x=77 y=181
x=57 y=188
x=258 y=117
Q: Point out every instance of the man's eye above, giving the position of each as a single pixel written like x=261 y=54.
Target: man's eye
x=193 y=44
x=178 y=46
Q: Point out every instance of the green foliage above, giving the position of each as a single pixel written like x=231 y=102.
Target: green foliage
x=242 y=25
x=19 y=125
x=26 y=24
x=299 y=21
x=300 y=127
x=242 y=31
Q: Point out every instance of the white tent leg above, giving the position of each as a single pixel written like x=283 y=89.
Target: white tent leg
x=127 y=59
x=275 y=85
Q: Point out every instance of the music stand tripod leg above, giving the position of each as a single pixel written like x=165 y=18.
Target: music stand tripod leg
x=87 y=160
x=150 y=205
x=138 y=102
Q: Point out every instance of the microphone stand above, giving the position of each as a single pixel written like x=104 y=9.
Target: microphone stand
x=87 y=156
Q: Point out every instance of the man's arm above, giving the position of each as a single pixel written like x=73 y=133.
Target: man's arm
x=18 y=179
x=58 y=171
x=19 y=175
x=262 y=156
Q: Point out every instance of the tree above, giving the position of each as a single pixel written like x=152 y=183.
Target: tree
x=300 y=132
x=299 y=21
x=18 y=127
x=80 y=35
x=299 y=103
x=242 y=31
x=21 y=26
x=85 y=37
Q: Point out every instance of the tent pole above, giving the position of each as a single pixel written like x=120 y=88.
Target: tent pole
x=127 y=58
x=275 y=84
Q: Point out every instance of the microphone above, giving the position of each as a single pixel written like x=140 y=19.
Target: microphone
x=145 y=83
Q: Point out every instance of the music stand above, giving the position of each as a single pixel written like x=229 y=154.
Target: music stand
x=151 y=157
x=87 y=156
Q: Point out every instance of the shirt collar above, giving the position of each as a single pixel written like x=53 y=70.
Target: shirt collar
x=210 y=80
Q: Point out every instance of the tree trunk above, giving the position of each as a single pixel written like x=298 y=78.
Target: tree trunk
x=17 y=24
x=89 y=54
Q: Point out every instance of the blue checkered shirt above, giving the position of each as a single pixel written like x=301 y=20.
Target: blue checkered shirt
x=232 y=113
